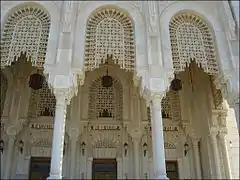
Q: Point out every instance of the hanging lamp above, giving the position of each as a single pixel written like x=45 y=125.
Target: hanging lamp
x=36 y=81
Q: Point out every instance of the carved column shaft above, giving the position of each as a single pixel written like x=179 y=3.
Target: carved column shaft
x=197 y=158
x=89 y=168
x=236 y=110
x=216 y=157
x=226 y=162
x=158 y=140
x=58 y=136
x=136 y=150
x=73 y=143
x=10 y=148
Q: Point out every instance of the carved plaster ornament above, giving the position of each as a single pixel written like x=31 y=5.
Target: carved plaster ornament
x=27 y=31
x=111 y=33
x=40 y=100
x=191 y=38
x=104 y=99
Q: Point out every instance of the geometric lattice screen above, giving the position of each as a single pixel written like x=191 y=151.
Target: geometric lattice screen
x=171 y=108
x=42 y=103
x=109 y=32
x=25 y=31
x=105 y=101
x=191 y=39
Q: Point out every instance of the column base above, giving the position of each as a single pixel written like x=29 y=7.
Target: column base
x=55 y=177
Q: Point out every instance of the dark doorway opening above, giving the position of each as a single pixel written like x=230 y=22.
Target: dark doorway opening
x=104 y=169
x=39 y=167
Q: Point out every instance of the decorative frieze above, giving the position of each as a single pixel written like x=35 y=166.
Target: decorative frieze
x=104 y=128
x=41 y=126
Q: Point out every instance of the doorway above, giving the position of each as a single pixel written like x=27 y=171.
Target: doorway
x=172 y=169
x=39 y=167
x=104 y=169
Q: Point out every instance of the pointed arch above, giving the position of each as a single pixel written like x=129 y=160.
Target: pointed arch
x=106 y=99
x=42 y=102
x=109 y=32
x=26 y=30
x=192 y=39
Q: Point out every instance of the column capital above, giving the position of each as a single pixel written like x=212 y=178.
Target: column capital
x=13 y=130
x=222 y=132
x=63 y=84
x=73 y=133
x=195 y=139
x=214 y=131
x=156 y=97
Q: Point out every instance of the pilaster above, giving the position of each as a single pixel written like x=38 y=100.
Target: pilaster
x=216 y=157
x=10 y=150
x=224 y=150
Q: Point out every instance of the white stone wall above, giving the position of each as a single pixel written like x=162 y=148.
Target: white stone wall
x=233 y=143
x=153 y=60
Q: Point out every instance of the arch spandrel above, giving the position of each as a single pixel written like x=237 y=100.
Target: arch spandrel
x=127 y=7
x=52 y=9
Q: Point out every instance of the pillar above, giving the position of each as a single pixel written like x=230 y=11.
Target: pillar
x=89 y=168
x=216 y=157
x=73 y=143
x=58 y=136
x=136 y=150
x=158 y=139
x=197 y=158
x=226 y=162
x=119 y=168
x=236 y=111
x=10 y=148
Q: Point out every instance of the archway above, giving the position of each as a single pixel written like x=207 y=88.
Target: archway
x=196 y=64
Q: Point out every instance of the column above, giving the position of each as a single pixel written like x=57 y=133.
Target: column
x=10 y=148
x=73 y=143
x=119 y=168
x=58 y=136
x=226 y=162
x=136 y=151
x=216 y=157
x=158 y=140
x=89 y=168
x=236 y=111
x=197 y=158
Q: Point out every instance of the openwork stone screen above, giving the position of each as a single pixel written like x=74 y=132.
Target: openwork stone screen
x=109 y=32
x=42 y=103
x=25 y=31
x=4 y=86
x=105 y=101
x=171 y=108
x=191 y=39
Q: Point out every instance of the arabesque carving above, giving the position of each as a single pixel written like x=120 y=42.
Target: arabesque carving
x=109 y=32
x=191 y=39
x=25 y=31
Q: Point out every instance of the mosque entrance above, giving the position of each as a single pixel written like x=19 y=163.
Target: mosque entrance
x=104 y=169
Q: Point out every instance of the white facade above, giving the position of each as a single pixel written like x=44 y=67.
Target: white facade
x=139 y=122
